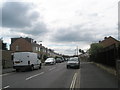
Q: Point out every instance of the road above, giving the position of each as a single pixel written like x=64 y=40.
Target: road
x=52 y=76
x=57 y=76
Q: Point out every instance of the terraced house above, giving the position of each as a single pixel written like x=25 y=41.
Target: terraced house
x=29 y=45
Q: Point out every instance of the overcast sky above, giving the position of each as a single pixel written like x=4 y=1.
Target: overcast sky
x=61 y=25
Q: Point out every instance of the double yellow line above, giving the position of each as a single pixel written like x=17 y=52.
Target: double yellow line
x=72 y=86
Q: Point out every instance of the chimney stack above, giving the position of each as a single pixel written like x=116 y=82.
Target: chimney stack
x=105 y=38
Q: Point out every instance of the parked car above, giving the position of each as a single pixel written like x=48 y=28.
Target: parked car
x=50 y=61
x=63 y=59
x=66 y=59
x=58 y=60
x=73 y=63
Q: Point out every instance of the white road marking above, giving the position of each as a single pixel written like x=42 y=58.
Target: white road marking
x=52 y=68
x=72 y=86
x=34 y=75
x=6 y=87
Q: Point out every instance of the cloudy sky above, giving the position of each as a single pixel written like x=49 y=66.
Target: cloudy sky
x=61 y=25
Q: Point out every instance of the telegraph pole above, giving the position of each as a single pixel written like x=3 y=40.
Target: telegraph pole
x=77 y=50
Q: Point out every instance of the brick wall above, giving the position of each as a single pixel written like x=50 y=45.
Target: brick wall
x=21 y=45
x=6 y=59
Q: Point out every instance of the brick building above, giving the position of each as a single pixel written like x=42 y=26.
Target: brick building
x=108 y=41
x=28 y=45
x=6 y=61
x=25 y=45
x=3 y=46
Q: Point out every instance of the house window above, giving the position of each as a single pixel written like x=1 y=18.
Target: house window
x=39 y=49
x=36 y=48
x=17 y=48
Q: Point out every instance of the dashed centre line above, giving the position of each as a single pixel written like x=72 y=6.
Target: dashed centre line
x=6 y=87
x=34 y=76
x=52 y=68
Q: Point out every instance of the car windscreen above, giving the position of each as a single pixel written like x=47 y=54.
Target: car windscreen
x=73 y=59
x=58 y=58
x=49 y=59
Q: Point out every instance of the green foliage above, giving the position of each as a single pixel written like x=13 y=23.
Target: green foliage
x=45 y=57
x=81 y=51
x=95 y=48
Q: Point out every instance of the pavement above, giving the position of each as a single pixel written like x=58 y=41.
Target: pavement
x=8 y=70
x=106 y=68
x=92 y=76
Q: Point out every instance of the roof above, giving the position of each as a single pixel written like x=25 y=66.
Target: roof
x=108 y=41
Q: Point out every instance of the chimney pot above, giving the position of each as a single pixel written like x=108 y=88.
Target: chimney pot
x=105 y=38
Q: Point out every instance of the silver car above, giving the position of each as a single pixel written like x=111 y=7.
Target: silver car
x=73 y=63
x=50 y=61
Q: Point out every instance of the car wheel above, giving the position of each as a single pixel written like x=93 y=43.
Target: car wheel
x=32 y=68
x=68 y=67
x=78 y=67
x=40 y=66
x=17 y=70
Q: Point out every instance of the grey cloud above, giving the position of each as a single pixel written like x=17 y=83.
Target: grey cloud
x=37 y=29
x=74 y=34
x=0 y=16
x=15 y=15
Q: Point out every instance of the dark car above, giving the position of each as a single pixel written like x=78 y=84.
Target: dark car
x=58 y=60
x=62 y=59
x=73 y=63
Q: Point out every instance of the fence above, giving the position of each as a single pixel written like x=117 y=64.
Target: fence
x=107 y=56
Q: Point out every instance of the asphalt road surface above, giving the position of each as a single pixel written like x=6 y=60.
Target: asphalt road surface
x=57 y=76
x=93 y=77
x=50 y=76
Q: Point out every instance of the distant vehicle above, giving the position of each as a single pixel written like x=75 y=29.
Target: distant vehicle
x=58 y=60
x=26 y=60
x=50 y=61
x=73 y=63
x=66 y=59
x=62 y=59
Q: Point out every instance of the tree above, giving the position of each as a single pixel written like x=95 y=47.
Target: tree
x=95 y=48
x=81 y=51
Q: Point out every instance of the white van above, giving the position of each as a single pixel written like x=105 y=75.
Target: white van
x=26 y=60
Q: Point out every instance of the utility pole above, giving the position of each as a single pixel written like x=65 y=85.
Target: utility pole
x=77 y=50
